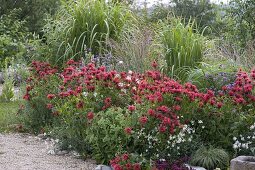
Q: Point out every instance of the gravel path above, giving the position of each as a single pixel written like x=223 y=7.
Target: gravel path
x=26 y=152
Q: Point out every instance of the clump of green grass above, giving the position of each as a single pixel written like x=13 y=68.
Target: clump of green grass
x=210 y=158
x=184 y=47
x=8 y=115
x=82 y=25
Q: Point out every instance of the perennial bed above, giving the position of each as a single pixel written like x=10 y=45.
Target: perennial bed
x=138 y=121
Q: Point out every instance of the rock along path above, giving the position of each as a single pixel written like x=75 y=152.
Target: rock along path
x=26 y=152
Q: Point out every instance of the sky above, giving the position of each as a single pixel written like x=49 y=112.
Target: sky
x=151 y=2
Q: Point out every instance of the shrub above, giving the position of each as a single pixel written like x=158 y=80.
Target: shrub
x=158 y=116
x=106 y=131
x=37 y=114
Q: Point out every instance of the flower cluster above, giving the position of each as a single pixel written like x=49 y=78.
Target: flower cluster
x=245 y=142
x=161 y=115
x=124 y=162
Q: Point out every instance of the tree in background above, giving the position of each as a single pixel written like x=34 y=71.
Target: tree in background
x=202 y=11
x=242 y=25
x=33 y=11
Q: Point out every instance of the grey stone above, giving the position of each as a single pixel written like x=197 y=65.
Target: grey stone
x=103 y=167
x=195 y=167
x=42 y=136
x=243 y=163
x=63 y=152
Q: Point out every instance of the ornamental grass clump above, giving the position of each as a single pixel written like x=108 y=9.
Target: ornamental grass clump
x=183 y=47
x=82 y=25
x=210 y=158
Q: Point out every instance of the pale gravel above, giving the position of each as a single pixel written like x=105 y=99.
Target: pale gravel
x=26 y=152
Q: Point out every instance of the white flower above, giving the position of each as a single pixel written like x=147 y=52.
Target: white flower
x=200 y=121
x=85 y=94
x=120 y=84
x=235 y=146
x=128 y=78
x=203 y=127
x=234 y=138
x=95 y=94
x=130 y=72
x=120 y=62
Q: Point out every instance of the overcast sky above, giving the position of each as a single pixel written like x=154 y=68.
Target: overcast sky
x=150 y=2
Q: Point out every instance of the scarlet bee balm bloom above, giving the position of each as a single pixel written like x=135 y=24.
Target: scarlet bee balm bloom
x=128 y=130
x=143 y=120
x=131 y=108
x=50 y=96
x=90 y=115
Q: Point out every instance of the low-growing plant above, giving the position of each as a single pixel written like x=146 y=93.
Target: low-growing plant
x=106 y=131
x=210 y=158
x=213 y=76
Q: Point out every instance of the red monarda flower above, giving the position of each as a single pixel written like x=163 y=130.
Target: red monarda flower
x=108 y=100
x=79 y=105
x=137 y=166
x=49 y=106
x=143 y=120
x=117 y=167
x=125 y=156
x=151 y=112
x=29 y=88
x=131 y=108
x=128 y=130
x=219 y=104
x=154 y=64
x=162 y=128
x=26 y=97
x=128 y=166
x=50 y=96
x=177 y=107
x=90 y=115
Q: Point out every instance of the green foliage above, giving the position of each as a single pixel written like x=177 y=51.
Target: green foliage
x=242 y=22
x=33 y=11
x=213 y=75
x=12 y=37
x=183 y=48
x=8 y=115
x=210 y=158
x=201 y=10
x=106 y=134
x=81 y=26
x=35 y=115
x=8 y=90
